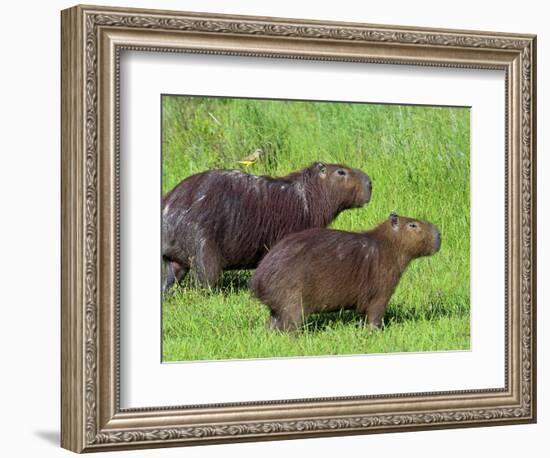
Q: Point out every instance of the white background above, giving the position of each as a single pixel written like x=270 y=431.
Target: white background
x=29 y=242
x=146 y=75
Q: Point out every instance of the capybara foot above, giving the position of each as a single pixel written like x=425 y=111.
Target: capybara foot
x=283 y=324
x=374 y=328
x=175 y=272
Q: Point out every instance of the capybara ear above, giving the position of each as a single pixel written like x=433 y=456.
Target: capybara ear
x=322 y=168
x=394 y=220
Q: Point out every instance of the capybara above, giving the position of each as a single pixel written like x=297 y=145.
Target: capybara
x=319 y=270
x=228 y=219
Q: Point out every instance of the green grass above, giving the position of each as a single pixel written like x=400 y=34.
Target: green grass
x=418 y=159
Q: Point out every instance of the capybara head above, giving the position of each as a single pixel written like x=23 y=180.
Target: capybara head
x=414 y=237
x=352 y=188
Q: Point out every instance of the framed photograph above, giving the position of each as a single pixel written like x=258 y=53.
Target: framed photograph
x=278 y=228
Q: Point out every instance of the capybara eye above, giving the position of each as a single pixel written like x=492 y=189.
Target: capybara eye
x=341 y=172
x=412 y=225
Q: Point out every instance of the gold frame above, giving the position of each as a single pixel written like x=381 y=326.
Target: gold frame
x=92 y=39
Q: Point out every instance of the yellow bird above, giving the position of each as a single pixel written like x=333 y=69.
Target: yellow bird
x=252 y=158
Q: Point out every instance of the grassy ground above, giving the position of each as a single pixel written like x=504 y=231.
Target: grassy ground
x=418 y=160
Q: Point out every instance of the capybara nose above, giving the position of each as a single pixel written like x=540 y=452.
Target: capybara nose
x=437 y=240
x=368 y=187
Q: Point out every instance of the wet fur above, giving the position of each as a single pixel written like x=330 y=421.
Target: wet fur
x=228 y=219
x=321 y=270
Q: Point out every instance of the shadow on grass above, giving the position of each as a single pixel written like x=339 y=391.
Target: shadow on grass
x=230 y=282
x=320 y=322
x=394 y=315
x=234 y=281
x=434 y=310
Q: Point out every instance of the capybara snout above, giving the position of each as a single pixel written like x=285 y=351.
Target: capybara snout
x=319 y=270
x=366 y=191
x=437 y=240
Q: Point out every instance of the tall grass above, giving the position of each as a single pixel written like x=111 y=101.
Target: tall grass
x=418 y=160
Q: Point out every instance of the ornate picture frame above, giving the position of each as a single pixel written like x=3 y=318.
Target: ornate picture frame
x=93 y=39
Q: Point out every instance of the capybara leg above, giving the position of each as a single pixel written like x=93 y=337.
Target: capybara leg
x=175 y=272
x=208 y=265
x=170 y=278
x=375 y=316
x=180 y=271
x=374 y=309
x=289 y=320
x=273 y=323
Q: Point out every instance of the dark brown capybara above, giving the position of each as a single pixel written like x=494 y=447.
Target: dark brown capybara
x=228 y=219
x=319 y=270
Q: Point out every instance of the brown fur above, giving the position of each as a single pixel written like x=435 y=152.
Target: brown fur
x=227 y=219
x=323 y=270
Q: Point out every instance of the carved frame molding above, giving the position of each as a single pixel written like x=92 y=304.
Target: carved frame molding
x=92 y=39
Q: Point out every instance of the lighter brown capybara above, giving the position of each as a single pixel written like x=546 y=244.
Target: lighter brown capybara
x=319 y=270
x=228 y=219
